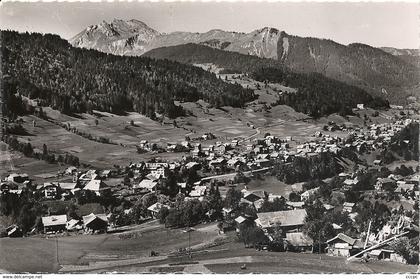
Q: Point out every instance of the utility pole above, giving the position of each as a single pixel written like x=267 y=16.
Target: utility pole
x=56 y=250
x=189 y=230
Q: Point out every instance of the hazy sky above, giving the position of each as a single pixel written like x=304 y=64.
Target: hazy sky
x=376 y=24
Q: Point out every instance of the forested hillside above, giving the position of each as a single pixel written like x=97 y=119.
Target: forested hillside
x=70 y=79
x=317 y=95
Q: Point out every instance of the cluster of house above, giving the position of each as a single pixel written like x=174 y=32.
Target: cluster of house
x=406 y=186
x=377 y=135
x=92 y=223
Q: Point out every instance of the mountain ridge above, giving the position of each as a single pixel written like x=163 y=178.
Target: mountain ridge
x=373 y=69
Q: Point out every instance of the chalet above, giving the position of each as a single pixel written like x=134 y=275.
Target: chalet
x=244 y=201
x=74 y=225
x=387 y=254
x=6 y=186
x=97 y=186
x=343 y=245
x=309 y=193
x=328 y=207
x=288 y=220
x=348 y=207
x=105 y=174
x=14 y=231
x=195 y=153
x=68 y=187
x=148 y=184
x=254 y=196
x=234 y=163
x=50 y=190
x=95 y=223
x=337 y=227
x=54 y=223
x=171 y=146
x=272 y=197
x=377 y=162
x=382 y=183
x=295 y=205
x=70 y=170
x=228 y=212
x=198 y=191
x=242 y=220
x=298 y=241
x=217 y=163
x=17 y=178
x=258 y=204
x=89 y=175
x=182 y=185
x=192 y=165
x=350 y=182
x=159 y=171
x=155 y=208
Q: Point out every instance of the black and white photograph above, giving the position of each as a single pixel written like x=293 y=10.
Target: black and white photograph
x=209 y=138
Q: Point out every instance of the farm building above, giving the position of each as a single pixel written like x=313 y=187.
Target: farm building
x=288 y=220
x=96 y=185
x=254 y=196
x=14 y=231
x=54 y=223
x=73 y=225
x=298 y=241
x=155 y=208
x=343 y=245
x=148 y=184
x=386 y=254
x=95 y=222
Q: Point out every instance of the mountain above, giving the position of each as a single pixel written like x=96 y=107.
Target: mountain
x=379 y=71
x=316 y=94
x=372 y=69
x=408 y=55
x=400 y=52
x=134 y=37
x=72 y=80
x=117 y=37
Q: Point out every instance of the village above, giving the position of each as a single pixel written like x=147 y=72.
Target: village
x=361 y=210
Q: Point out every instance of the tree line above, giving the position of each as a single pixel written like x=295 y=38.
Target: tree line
x=317 y=95
x=72 y=80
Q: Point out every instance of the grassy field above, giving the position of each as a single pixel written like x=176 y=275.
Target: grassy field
x=229 y=257
x=272 y=185
x=39 y=254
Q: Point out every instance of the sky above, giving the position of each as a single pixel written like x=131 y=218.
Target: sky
x=377 y=24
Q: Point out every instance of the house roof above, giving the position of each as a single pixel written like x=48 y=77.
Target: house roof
x=343 y=237
x=72 y=223
x=240 y=219
x=68 y=185
x=198 y=191
x=282 y=218
x=54 y=220
x=147 y=184
x=191 y=165
x=91 y=217
x=156 y=207
x=299 y=239
x=295 y=204
x=94 y=185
